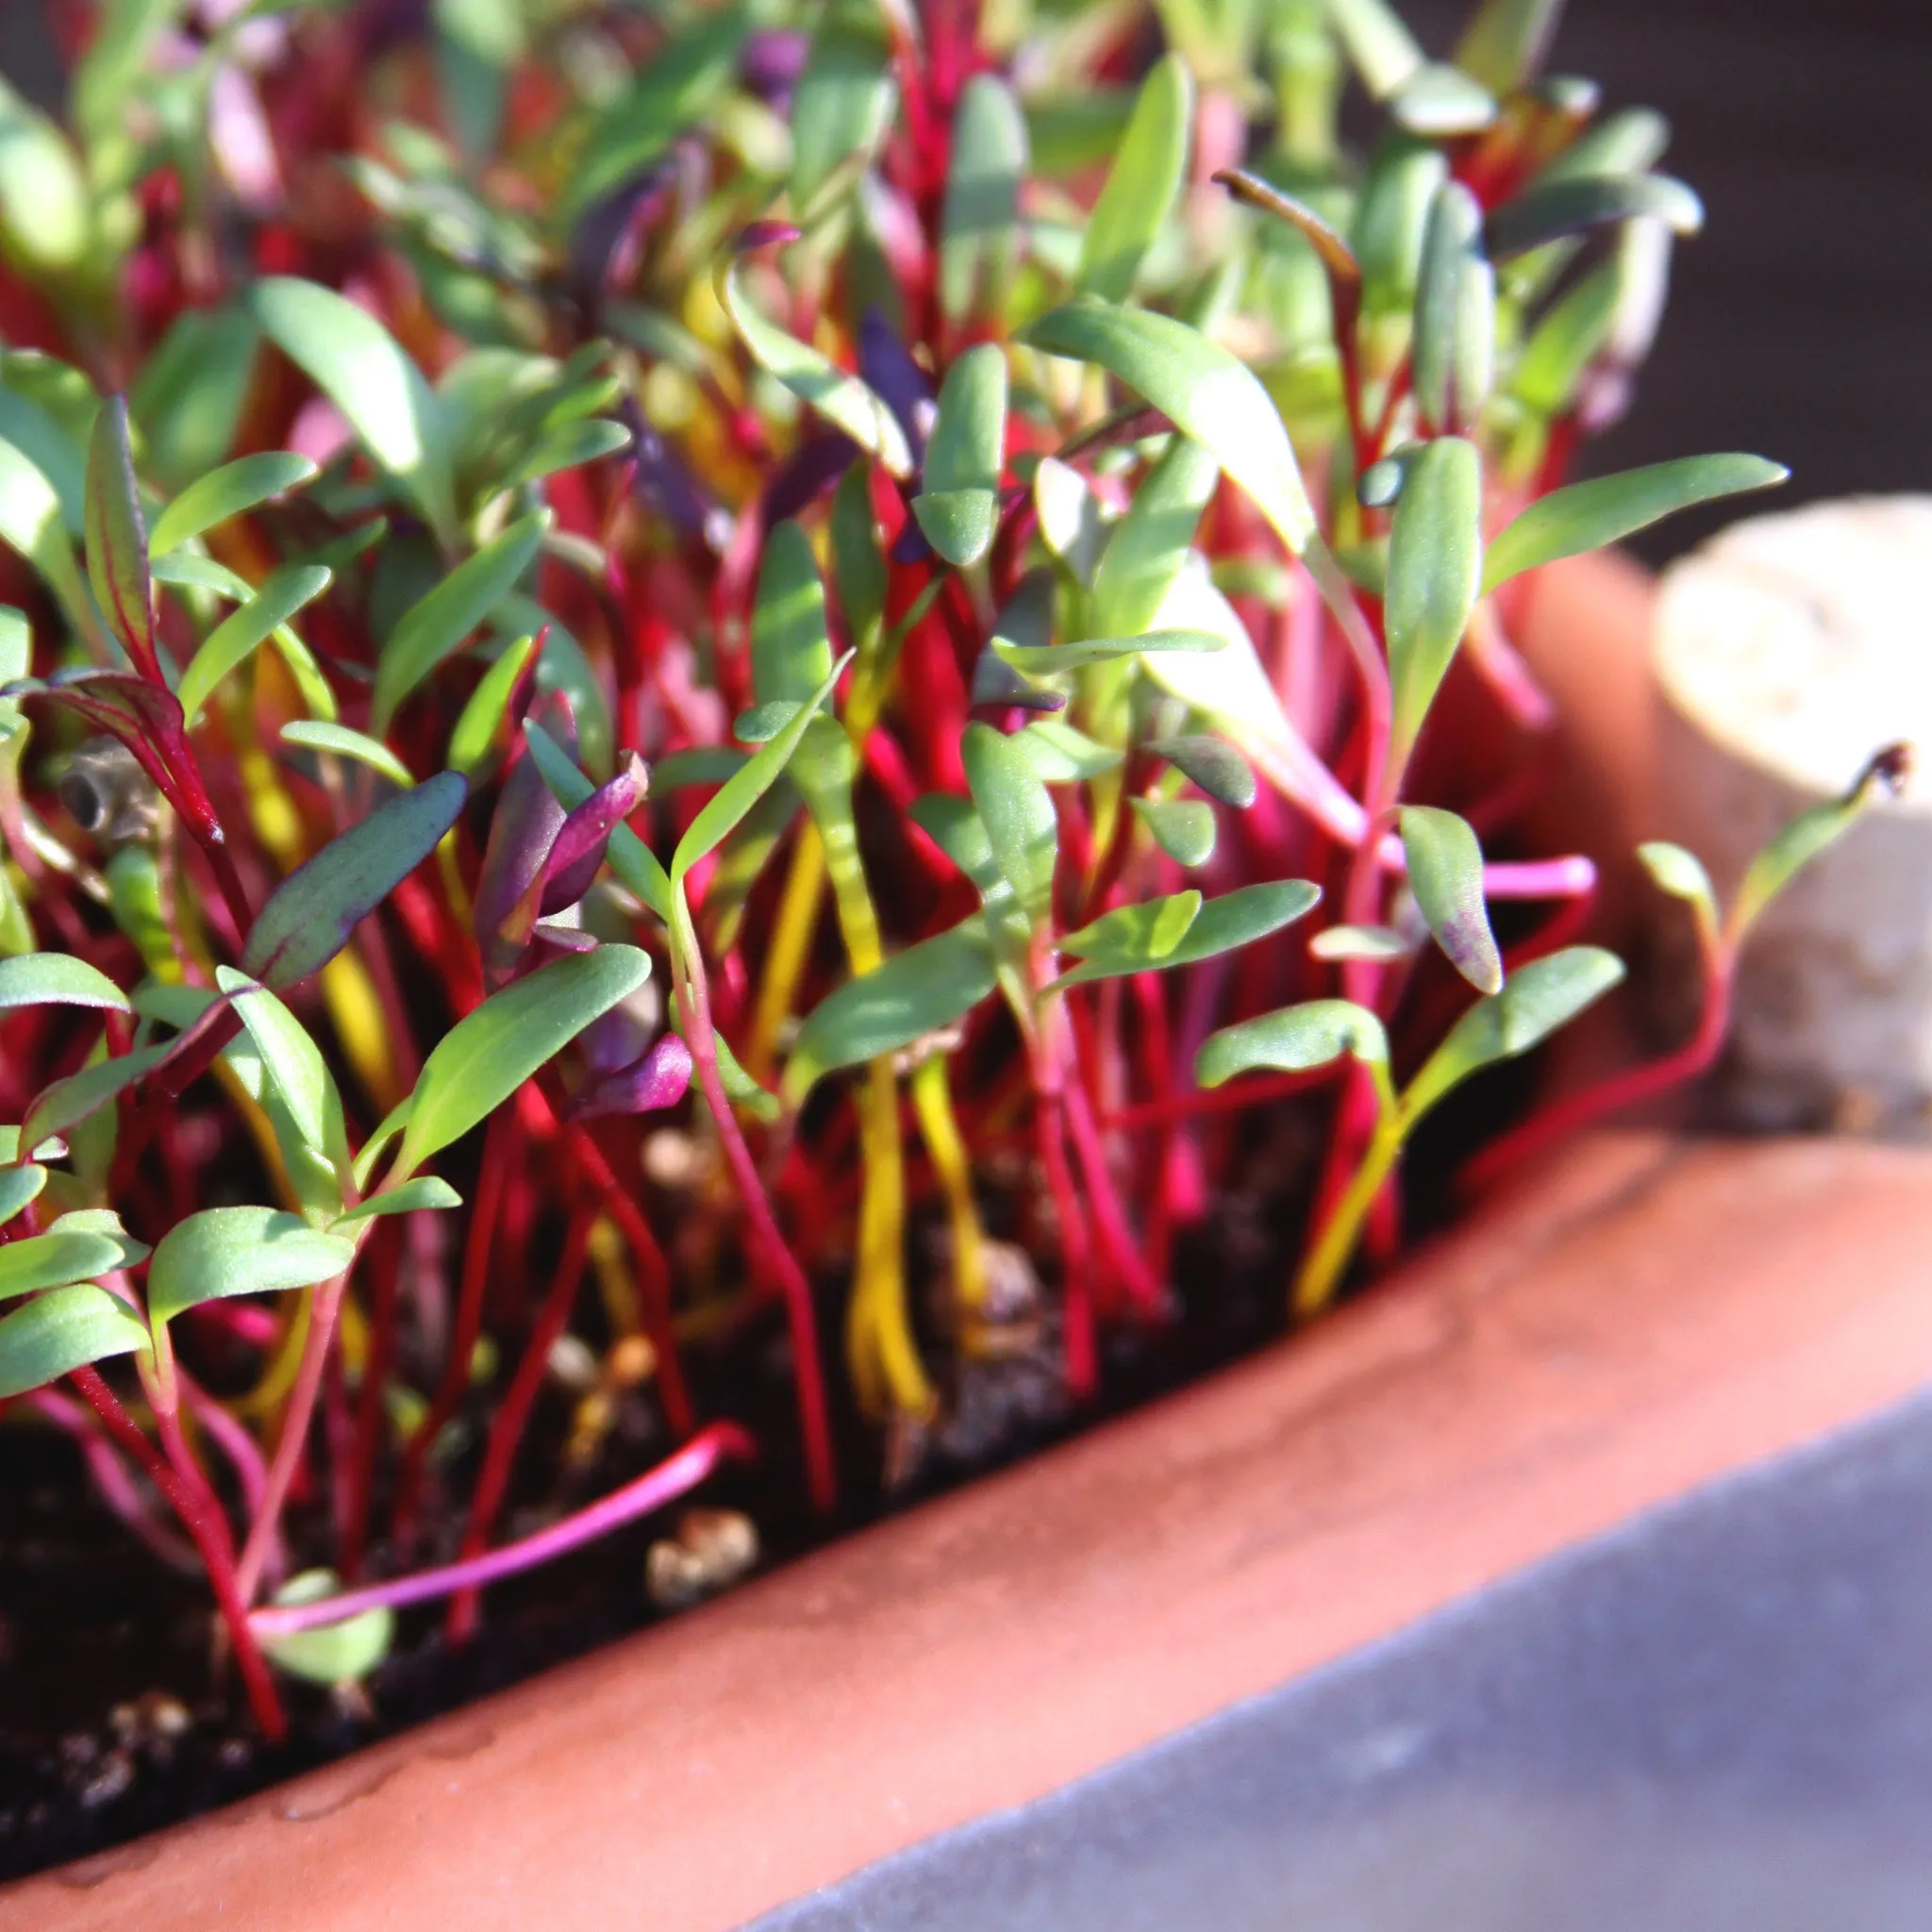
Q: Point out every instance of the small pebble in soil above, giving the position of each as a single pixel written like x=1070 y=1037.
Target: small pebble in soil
x=713 y=1550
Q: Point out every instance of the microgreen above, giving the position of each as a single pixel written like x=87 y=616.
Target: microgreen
x=823 y=588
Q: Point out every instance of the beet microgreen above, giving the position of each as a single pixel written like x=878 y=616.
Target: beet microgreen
x=854 y=603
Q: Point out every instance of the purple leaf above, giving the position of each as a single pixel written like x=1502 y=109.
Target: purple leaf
x=889 y=371
x=578 y=850
x=523 y=829
x=657 y=1080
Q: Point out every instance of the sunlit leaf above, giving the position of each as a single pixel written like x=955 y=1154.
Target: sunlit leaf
x=311 y=914
x=293 y=1060
x=54 y=980
x=1061 y=755
x=476 y=726
x=1550 y=210
x=229 y=1251
x=316 y=734
x=1445 y=873
x=1182 y=827
x=1296 y=1040
x=1383 y=50
x=56 y=1257
x=490 y=1052
x=332 y=1654
x=842 y=104
x=1136 y=936
x=979 y=223
x=1149 y=545
x=356 y=362
x=1435 y=572
x=1390 y=219
x=436 y=624
x=235 y=488
x=1017 y=811
x=1502 y=45
x=243 y=631
x=1042 y=660
x=1205 y=391
x=62 y=1331
x=1376 y=944
x=1453 y=353
x=1149 y=169
x=1682 y=875
x=20 y=1188
x=1222 y=925
x=791 y=645
x=958 y=507
x=1606 y=509
x=428 y=1192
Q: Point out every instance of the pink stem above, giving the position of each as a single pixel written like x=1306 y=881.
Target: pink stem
x=110 y=1477
x=684 y=1470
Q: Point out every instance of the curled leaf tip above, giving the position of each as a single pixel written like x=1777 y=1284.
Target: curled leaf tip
x=1890 y=768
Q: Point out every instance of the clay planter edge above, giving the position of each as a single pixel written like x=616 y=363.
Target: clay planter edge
x=1651 y=1314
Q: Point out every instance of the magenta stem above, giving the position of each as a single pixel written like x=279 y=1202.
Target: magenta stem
x=684 y=1470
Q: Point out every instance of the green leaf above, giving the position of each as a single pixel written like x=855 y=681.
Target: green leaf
x=66 y=1103
x=790 y=646
x=1214 y=765
x=117 y=534
x=1149 y=545
x=1061 y=755
x=859 y=564
x=1205 y=391
x=913 y=994
x=1445 y=873
x=568 y=446
x=435 y=626
x=958 y=507
x=356 y=362
x=228 y=1251
x=1383 y=50
x=62 y=1331
x=56 y=1257
x=1017 y=811
x=1149 y=170
x=1438 y=103
x=1435 y=570
x=1041 y=660
x=1455 y=314
x=54 y=980
x=425 y=1194
x=1235 y=919
x=1390 y=219
x=293 y=1061
x=627 y=856
x=475 y=728
x=242 y=632
x=1539 y=997
x=1070 y=525
x=490 y=1052
x=979 y=223
x=1587 y=516
x=317 y=734
x=1373 y=942
x=329 y=1653
x=743 y=790
x=46 y=224
x=1682 y=875
x=1810 y=833
x=1182 y=827
x=20 y=1187
x=235 y=488
x=815 y=379
x=1550 y=210
x=1296 y=1040
x=103 y=1224
x=309 y=917
x=1503 y=45
x=30 y=523
x=1136 y=936
x=842 y=104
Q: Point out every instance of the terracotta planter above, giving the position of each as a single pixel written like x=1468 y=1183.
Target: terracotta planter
x=1655 y=1312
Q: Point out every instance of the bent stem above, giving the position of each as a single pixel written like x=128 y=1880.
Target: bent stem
x=1321 y=1273
x=684 y=1470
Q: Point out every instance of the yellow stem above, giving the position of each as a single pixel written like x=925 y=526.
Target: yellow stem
x=791 y=931
x=1320 y=1273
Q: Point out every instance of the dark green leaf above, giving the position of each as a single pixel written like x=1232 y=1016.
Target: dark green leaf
x=1455 y=314
x=858 y=564
x=568 y=446
x=311 y=914
x=228 y=1251
x=1205 y=391
x=1552 y=211
x=354 y=362
x=979 y=225
x=1182 y=827
x=117 y=535
x=236 y=487
x=913 y=994
x=1445 y=873
x=1017 y=811
x=1435 y=573
x=959 y=505
x=1296 y=1040
x=56 y=1333
x=67 y=1102
x=843 y=101
x=490 y=1052
x=1213 y=764
x=54 y=980
x=436 y=625
x=1149 y=170
x=1606 y=509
